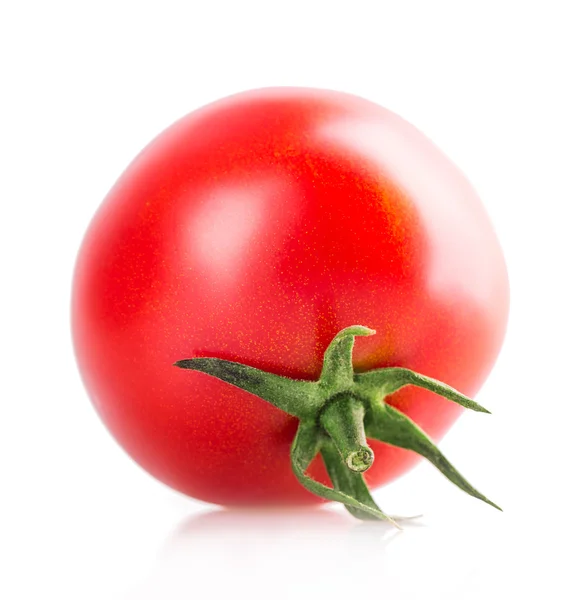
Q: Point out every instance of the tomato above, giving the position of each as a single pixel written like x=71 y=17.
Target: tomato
x=254 y=230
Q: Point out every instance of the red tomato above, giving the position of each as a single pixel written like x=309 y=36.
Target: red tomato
x=254 y=229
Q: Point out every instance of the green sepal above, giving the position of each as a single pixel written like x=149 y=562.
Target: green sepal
x=337 y=370
x=391 y=379
x=337 y=414
x=387 y=424
x=301 y=399
x=306 y=444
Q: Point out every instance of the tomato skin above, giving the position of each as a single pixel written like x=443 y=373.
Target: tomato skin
x=254 y=229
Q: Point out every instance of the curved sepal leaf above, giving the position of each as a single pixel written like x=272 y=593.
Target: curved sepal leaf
x=391 y=379
x=389 y=425
x=304 y=448
x=295 y=397
x=337 y=371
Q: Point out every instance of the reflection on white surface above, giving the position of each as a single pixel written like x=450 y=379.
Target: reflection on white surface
x=282 y=554
x=326 y=553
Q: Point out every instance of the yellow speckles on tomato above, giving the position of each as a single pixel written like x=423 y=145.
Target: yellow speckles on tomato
x=382 y=354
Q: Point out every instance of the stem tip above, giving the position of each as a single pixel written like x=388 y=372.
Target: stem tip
x=360 y=460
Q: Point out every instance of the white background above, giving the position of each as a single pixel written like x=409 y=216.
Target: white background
x=85 y=87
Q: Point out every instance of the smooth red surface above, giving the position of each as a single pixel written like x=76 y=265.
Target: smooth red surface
x=254 y=229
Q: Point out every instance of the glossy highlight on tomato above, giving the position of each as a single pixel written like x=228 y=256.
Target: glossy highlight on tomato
x=254 y=230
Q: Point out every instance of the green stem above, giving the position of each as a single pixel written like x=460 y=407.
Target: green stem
x=343 y=419
x=351 y=483
x=306 y=442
